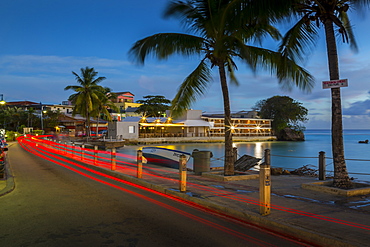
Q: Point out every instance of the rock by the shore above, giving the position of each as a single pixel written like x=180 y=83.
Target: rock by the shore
x=288 y=134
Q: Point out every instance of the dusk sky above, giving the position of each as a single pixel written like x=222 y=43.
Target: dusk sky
x=43 y=41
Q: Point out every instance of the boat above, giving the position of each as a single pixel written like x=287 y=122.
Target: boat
x=164 y=156
x=366 y=141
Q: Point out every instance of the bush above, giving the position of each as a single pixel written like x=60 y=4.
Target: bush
x=11 y=135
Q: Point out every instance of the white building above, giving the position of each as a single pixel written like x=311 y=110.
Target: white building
x=191 y=125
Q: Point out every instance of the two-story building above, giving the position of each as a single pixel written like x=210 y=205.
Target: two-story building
x=192 y=126
x=126 y=105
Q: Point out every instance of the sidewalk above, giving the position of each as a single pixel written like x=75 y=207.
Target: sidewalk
x=319 y=218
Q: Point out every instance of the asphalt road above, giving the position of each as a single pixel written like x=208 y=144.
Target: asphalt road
x=55 y=206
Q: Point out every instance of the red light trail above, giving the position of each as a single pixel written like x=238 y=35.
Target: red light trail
x=45 y=154
x=130 y=168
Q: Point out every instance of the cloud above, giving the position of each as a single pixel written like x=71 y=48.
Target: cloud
x=358 y=108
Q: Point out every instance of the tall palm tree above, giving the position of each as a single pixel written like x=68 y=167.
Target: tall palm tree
x=302 y=37
x=220 y=36
x=88 y=93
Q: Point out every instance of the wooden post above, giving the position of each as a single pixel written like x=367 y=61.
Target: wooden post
x=95 y=154
x=182 y=170
x=322 y=166
x=113 y=159
x=139 y=160
x=82 y=151
x=73 y=149
x=265 y=185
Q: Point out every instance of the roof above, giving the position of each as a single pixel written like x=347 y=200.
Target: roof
x=25 y=102
x=194 y=123
x=69 y=117
x=119 y=93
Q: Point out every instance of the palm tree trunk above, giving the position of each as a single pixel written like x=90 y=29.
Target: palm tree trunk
x=341 y=178
x=229 y=161
x=87 y=122
x=97 y=124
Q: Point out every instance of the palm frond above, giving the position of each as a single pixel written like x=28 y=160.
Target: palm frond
x=163 y=45
x=299 y=41
x=348 y=29
x=193 y=86
x=231 y=66
x=286 y=70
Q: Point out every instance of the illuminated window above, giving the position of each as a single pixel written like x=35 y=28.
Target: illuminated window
x=131 y=129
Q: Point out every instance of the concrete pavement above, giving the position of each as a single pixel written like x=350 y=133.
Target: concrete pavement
x=315 y=217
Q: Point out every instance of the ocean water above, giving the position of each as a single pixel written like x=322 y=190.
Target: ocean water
x=293 y=155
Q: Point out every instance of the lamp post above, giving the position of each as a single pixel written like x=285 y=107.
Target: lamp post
x=42 y=117
x=2 y=103
x=42 y=122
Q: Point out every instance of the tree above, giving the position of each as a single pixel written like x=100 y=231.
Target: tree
x=88 y=93
x=101 y=109
x=13 y=117
x=299 y=40
x=220 y=35
x=285 y=112
x=51 y=118
x=153 y=105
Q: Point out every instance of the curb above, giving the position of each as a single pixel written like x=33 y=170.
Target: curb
x=10 y=185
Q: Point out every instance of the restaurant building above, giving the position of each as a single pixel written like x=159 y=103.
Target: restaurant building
x=192 y=126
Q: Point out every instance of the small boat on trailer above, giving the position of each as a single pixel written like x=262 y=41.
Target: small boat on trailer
x=164 y=156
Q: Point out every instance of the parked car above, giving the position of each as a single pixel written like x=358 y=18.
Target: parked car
x=3 y=144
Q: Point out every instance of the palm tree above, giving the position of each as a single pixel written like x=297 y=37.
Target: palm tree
x=88 y=93
x=312 y=14
x=220 y=37
x=104 y=104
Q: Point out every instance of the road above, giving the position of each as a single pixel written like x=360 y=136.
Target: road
x=55 y=206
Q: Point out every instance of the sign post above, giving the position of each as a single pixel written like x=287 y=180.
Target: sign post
x=335 y=83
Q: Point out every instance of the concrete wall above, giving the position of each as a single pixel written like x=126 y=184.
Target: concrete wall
x=123 y=130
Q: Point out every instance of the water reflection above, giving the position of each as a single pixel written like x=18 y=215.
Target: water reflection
x=288 y=155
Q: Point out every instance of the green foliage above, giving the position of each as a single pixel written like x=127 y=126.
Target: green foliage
x=12 y=135
x=284 y=111
x=153 y=105
x=221 y=32
x=12 y=118
x=51 y=118
x=88 y=93
x=37 y=132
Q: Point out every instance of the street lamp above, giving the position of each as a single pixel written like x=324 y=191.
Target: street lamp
x=2 y=103
x=42 y=117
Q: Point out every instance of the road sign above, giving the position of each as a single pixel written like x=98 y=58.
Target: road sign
x=335 y=83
